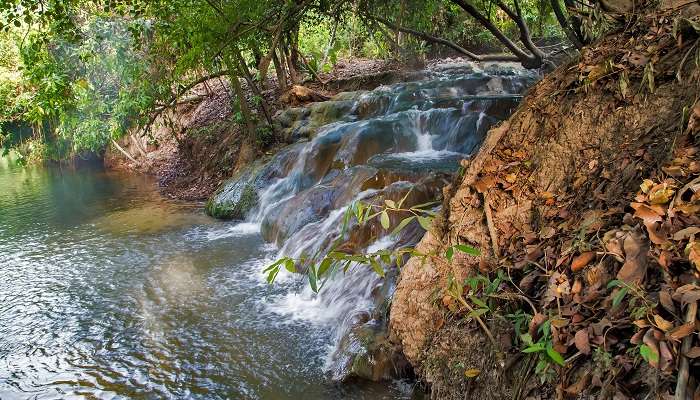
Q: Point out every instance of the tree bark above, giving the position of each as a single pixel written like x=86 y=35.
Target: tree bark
x=242 y=102
x=279 y=70
x=243 y=68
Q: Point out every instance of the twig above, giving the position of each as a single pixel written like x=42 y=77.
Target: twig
x=480 y=321
x=491 y=226
x=683 y=373
x=124 y=151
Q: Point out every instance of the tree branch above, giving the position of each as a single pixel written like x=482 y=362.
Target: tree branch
x=173 y=100
x=564 y=23
x=430 y=38
x=528 y=60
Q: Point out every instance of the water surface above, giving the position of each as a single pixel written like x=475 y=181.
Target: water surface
x=109 y=291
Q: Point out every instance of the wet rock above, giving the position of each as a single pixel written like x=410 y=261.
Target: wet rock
x=234 y=200
x=315 y=203
x=240 y=195
x=366 y=353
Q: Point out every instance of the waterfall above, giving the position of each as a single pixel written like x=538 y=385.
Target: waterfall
x=365 y=146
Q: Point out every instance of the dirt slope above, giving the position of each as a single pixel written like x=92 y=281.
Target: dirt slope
x=552 y=201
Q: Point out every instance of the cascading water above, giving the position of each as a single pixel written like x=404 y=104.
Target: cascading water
x=367 y=146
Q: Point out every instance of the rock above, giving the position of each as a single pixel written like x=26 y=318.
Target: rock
x=240 y=194
x=299 y=95
x=233 y=200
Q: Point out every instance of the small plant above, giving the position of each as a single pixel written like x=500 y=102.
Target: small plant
x=543 y=347
x=320 y=267
x=641 y=307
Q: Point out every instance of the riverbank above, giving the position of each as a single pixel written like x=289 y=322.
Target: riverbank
x=194 y=148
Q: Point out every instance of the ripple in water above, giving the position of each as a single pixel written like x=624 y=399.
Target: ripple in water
x=108 y=291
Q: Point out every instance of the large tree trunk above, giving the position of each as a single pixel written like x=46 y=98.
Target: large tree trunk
x=580 y=141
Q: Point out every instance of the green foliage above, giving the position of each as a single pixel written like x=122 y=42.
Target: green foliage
x=543 y=348
x=84 y=72
x=77 y=89
x=320 y=267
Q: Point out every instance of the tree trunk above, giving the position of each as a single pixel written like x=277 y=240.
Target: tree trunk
x=291 y=67
x=279 y=70
x=264 y=64
x=564 y=23
x=243 y=68
x=234 y=77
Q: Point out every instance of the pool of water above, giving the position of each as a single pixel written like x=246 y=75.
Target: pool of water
x=109 y=291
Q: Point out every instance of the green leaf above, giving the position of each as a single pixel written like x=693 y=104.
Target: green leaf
x=272 y=275
x=555 y=356
x=403 y=199
x=423 y=205
x=534 y=348
x=324 y=266
x=526 y=338
x=274 y=265
x=425 y=222
x=386 y=258
x=402 y=225
x=384 y=219
x=390 y=203
x=313 y=279
x=289 y=265
x=358 y=209
x=478 y=302
x=376 y=267
x=648 y=354
x=449 y=253
x=477 y=313
x=614 y=283
x=467 y=249
x=546 y=328
x=619 y=296
x=346 y=220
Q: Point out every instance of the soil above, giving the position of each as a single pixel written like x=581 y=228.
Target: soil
x=554 y=203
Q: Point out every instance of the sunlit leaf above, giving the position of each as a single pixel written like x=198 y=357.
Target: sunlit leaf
x=384 y=219
x=449 y=253
x=555 y=356
x=472 y=373
x=425 y=222
x=467 y=249
x=289 y=265
x=324 y=266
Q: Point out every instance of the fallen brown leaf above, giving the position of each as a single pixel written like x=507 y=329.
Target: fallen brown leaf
x=667 y=301
x=582 y=261
x=693 y=352
x=686 y=233
x=580 y=385
x=680 y=332
x=662 y=324
x=581 y=341
x=635 y=266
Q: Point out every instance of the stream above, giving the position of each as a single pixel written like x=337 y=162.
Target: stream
x=110 y=291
